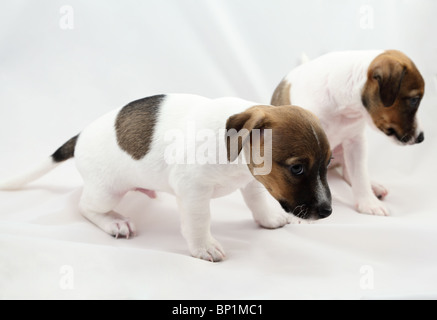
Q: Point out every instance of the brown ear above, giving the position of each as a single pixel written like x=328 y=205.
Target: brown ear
x=239 y=128
x=389 y=74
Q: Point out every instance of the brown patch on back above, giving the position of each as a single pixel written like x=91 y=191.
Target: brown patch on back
x=135 y=125
x=281 y=96
x=392 y=80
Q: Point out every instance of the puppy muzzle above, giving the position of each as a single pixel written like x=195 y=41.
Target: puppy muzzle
x=304 y=211
x=406 y=139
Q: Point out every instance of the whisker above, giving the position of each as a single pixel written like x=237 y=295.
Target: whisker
x=303 y=210
x=405 y=138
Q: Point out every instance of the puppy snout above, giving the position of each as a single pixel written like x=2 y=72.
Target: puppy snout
x=324 y=211
x=390 y=132
x=420 y=137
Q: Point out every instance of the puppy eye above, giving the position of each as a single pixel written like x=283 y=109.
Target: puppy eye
x=414 y=101
x=296 y=169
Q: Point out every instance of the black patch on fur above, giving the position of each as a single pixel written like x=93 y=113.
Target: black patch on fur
x=135 y=125
x=66 y=151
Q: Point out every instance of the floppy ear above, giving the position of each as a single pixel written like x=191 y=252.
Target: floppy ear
x=389 y=75
x=239 y=128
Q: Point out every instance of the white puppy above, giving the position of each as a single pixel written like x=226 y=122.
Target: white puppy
x=348 y=89
x=192 y=147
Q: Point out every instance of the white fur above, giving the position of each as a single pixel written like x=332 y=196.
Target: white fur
x=330 y=86
x=29 y=175
x=109 y=173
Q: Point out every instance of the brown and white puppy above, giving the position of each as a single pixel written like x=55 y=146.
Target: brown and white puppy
x=348 y=89
x=198 y=149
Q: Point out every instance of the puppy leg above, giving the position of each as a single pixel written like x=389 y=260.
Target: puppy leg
x=254 y=195
x=195 y=223
x=96 y=205
x=355 y=159
x=379 y=190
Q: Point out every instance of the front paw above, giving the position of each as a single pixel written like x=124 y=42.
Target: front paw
x=273 y=221
x=372 y=206
x=117 y=225
x=211 y=250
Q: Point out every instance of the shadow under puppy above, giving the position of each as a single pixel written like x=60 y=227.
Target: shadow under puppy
x=198 y=149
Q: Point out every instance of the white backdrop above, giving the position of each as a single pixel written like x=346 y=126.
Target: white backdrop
x=62 y=67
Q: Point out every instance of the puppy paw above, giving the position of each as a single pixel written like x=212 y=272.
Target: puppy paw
x=118 y=226
x=211 y=251
x=373 y=207
x=273 y=221
x=379 y=190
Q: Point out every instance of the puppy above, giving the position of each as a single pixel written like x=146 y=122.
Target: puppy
x=348 y=89
x=197 y=149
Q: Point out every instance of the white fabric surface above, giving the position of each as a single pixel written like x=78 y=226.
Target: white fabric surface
x=55 y=81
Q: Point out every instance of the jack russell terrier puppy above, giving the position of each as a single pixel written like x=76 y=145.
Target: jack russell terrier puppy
x=132 y=149
x=346 y=90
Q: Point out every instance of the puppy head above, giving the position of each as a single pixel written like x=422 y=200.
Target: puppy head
x=392 y=95
x=299 y=156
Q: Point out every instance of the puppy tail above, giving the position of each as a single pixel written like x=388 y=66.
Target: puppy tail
x=304 y=58
x=65 y=152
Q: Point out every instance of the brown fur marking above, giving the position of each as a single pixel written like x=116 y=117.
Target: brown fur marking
x=135 y=125
x=66 y=151
x=253 y=118
x=297 y=135
x=392 y=80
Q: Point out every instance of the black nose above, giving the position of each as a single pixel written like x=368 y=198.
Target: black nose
x=420 y=138
x=325 y=212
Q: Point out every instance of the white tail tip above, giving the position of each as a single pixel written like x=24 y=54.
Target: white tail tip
x=28 y=176
x=304 y=58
